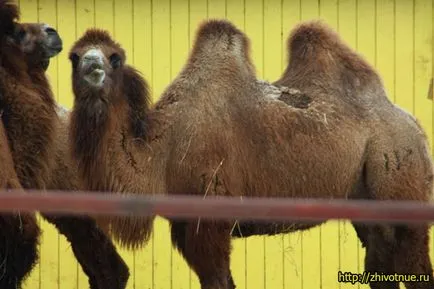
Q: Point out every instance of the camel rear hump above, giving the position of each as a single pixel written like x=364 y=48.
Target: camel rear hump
x=321 y=62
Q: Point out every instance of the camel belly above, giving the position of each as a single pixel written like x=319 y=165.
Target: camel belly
x=244 y=229
x=305 y=167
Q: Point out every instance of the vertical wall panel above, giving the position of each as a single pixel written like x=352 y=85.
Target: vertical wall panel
x=394 y=35
x=161 y=76
x=292 y=261
x=69 y=268
x=66 y=19
x=272 y=59
x=142 y=56
x=311 y=246
x=254 y=23
x=404 y=56
x=84 y=19
x=121 y=14
x=347 y=28
x=50 y=249
x=328 y=11
x=253 y=27
x=198 y=10
x=216 y=8
x=423 y=50
x=29 y=13
x=423 y=61
x=329 y=241
x=385 y=48
x=179 y=51
x=104 y=15
x=366 y=45
x=235 y=11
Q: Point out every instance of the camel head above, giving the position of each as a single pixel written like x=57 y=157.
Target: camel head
x=39 y=42
x=98 y=63
x=101 y=77
x=35 y=42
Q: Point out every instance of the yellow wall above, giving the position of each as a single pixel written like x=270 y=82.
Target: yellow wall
x=396 y=36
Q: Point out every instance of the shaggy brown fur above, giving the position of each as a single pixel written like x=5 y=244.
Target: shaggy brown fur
x=218 y=131
x=38 y=140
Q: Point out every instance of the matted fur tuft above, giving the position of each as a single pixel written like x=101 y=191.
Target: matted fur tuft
x=131 y=233
x=139 y=100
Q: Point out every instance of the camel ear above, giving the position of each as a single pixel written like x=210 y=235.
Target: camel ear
x=138 y=100
x=9 y=13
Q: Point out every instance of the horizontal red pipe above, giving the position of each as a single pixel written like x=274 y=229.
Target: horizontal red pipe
x=267 y=209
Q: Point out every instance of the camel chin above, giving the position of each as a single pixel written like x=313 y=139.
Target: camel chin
x=96 y=78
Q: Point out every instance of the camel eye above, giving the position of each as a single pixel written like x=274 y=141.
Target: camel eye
x=74 y=60
x=115 y=60
x=20 y=34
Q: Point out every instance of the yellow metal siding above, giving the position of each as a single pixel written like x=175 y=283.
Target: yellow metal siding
x=395 y=36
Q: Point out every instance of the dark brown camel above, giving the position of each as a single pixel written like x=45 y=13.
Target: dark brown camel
x=38 y=139
x=218 y=131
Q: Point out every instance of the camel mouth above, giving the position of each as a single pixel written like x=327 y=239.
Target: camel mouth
x=95 y=77
x=45 y=63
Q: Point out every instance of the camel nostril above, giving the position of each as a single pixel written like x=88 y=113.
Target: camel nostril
x=50 y=31
x=95 y=65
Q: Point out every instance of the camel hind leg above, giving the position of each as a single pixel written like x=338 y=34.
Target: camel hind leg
x=401 y=249
x=398 y=175
x=206 y=248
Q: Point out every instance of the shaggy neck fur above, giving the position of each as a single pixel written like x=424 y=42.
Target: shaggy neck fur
x=98 y=126
x=107 y=141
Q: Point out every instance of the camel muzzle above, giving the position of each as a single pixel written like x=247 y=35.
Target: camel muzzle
x=53 y=42
x=95 y=77
x=92 y=66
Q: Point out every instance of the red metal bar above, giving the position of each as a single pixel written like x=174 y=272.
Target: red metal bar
x=217 y=208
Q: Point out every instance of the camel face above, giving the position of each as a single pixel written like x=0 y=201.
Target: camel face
x=95 y=67
x=39 y=42
x=97 y=61
x=92 y=67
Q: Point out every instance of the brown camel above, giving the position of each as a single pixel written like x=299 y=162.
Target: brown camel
x=38 y=138
x=218 y=131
